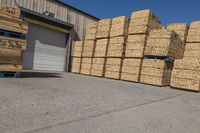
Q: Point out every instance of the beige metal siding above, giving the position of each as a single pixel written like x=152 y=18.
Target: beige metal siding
x=61 y=12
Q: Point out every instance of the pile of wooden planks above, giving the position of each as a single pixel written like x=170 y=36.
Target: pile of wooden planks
x=164 y=42
x=142 y=22
x=141 y=50
x=77 y=56
x=12 y=40
x=186 y=72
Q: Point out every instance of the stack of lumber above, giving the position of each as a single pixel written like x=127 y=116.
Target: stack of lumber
x=12 y=28
x=131 y=69
x=143 y=21
x=116 y=47
x=87 y=56
x=98 y=62
x=102 y=39
x=113 y=68
x=76 y=64
x=164 y=42
x=88 y=48
x=103 y=29
x=119 y=26
x=140 y=25
x=98 y=67
x=86 y=66
x=156 y=72
x=77 y=56
x=91 y=31
x=181 y=29
x=186 y=72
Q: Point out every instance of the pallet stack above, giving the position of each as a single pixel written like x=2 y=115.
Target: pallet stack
x=186 y=72
x=98 y=62
x=77 y=56
x=12 y=39
x=116 y=47
x=163 y=45
x=140 y=25
x=88 y=48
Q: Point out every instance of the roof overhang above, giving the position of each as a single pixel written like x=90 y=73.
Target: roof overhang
x=46 y=21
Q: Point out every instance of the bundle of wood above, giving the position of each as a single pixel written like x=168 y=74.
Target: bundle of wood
x=143 y=21
x=86 y=66
x=76 y=64
x=156 y=72
x=101 y=48
x=194 y=33
x=135 y=45
x=77 y=49
x=186 y=74
x=181 y=29
x=103 y=29
x=116 y=47
x=164 y=42
x=88 y=48
x=113 y=68
x=12 y=39
x=131 y=69
x=119 y=26
x=91 y=31
x=98 y=67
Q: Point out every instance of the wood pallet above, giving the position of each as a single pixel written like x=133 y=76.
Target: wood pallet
x=10 y=74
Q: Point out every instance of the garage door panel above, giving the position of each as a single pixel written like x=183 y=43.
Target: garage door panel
x=47 y=48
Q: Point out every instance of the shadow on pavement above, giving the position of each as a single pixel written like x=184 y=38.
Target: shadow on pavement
x=40 y=75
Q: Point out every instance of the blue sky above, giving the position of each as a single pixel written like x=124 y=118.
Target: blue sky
x=168 y=11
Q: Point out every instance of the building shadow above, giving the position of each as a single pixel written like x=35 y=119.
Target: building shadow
x=40 y=75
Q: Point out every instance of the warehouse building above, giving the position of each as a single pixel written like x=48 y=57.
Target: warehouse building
x=53 y=27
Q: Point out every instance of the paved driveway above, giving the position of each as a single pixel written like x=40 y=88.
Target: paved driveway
x=70 y=103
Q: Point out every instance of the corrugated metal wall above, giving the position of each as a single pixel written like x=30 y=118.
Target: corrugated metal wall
x=61 y=12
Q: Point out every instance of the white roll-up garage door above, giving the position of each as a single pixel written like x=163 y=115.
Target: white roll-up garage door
x=45 y=50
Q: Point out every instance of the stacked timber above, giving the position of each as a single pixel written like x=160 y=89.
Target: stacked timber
x=102 y=39
x=116 y=47
x=131 y=68
x=181 y=29
x=186 y=72
x=98 y=62
x=86 y=66
x=140 y=25
x=113 y=68
x=87 y=56
x=103 y=29
x=12 y=40
x=91 y=31
x=162 y=46
x=156 y=72
x=77 y=56
x=164 y=42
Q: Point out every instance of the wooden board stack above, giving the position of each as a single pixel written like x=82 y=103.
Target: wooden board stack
x=181 y=29
x=156 y=72
x=12 y=39
x=186 y=72
x=140 y=25
x=98 y=63
x=91 y=31
x=87 y=56
x=162 y=46
x=164 y=42
x=77 y=56
x=102 y=39
x=116 y=47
